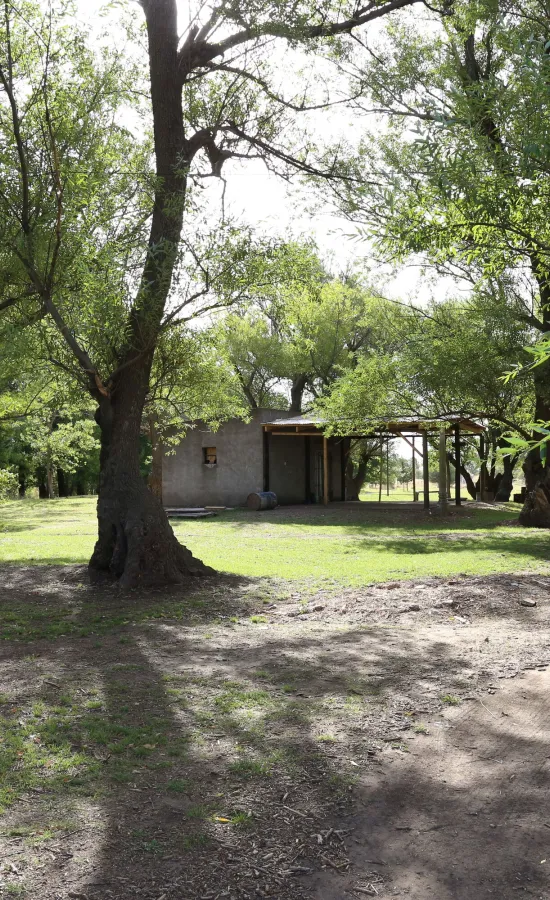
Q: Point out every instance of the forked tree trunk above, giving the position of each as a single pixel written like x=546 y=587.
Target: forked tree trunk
x=355 y=478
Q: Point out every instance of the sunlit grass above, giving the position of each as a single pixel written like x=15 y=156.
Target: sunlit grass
x=332 y=545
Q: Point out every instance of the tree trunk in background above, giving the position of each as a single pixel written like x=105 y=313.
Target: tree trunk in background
x=62 y=483
x=22 y=475
x=155 y=478
x=355 y=478
x=507 y=481
x=471 y=485
x=42 y=482
x=297 y=389
x=536 y=509
x=135 y=542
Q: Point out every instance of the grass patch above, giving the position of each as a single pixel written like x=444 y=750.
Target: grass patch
x=372 y=545
x=451 y=700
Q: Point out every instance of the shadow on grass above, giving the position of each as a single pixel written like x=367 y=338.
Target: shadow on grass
x=161 y=759
x=361 y=517
x=532 y=546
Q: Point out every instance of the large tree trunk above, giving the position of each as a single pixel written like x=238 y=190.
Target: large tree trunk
x=536 y=509
x=135 y=541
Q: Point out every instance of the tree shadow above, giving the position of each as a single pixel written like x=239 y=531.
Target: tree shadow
x=203 y=758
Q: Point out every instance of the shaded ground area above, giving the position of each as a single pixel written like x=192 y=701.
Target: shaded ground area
x=242 y=739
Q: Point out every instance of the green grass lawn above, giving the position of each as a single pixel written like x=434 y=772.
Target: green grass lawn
x=352 y=546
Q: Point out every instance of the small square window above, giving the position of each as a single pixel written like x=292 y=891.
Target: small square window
x=210 y=457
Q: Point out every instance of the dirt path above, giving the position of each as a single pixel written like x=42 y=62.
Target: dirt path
x=389 y=741
x=466 y=816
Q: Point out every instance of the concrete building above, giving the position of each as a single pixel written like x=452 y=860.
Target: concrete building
x=273 y=451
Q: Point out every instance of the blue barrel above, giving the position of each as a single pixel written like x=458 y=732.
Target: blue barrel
x=261 y=500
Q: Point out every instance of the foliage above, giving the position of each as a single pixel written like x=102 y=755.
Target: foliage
x=9 y=484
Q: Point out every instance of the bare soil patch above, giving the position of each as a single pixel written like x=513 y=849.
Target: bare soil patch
x=251 y=741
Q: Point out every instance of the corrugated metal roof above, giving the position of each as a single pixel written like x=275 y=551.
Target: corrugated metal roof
x=391 y=423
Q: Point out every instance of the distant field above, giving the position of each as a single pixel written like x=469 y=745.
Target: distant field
x=342 y=545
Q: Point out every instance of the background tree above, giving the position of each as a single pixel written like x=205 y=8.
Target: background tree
x=461 y=173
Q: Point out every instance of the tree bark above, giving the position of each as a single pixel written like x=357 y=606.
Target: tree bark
x=355 y=478
x=136 y=543
x=506 y=484
x=62 y=483
x=471 y=485
x=42 y=483
x=536 y=509
x=297 y=389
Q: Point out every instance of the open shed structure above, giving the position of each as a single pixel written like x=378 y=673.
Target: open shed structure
x=289 y=455
x=323 y=456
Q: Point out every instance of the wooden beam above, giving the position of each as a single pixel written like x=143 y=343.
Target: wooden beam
x=457 y=465
x=266 y=461
x=414 y=470
x=426 y=470
x=443 y=469
x=344 y=450
x=307 y=469
x=325 y=471
x=410 y=442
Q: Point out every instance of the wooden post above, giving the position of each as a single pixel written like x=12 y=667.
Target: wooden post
x=307 y=468
x=443 y=469
x=387 y=467
x=325 y=470
x=344 y=452
x=381 y=470
x=426 y=469
x=458 y=500
x=482 y=466
x=414 y=471
x=266 y=461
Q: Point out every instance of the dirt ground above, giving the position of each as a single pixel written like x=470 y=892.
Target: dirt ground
x=389 y=741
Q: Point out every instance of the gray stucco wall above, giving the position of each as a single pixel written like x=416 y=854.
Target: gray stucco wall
x=187 y=481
